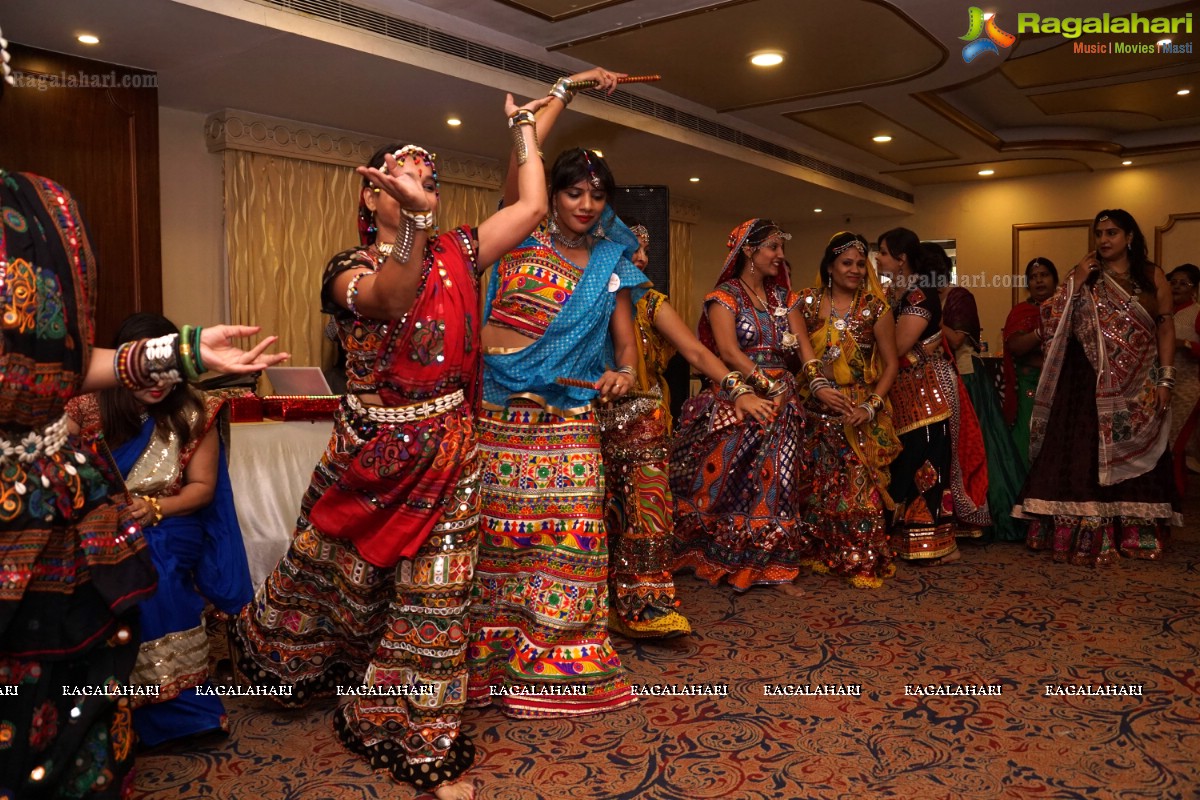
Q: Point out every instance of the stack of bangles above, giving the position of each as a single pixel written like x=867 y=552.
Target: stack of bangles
x=156 y=507
x=872 y=406
x=629 y=372
x=734 y=386
x=524 y=116
x=764 y=385
x=1165 y=377
x=561 y=89
x=811 y=372
x=149 y=362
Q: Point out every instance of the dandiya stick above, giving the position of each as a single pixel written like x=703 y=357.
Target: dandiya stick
x=581 y=384
x=575 y=86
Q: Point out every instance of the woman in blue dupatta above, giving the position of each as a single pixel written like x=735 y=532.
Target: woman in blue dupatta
x=560 y=305
x=164 y=443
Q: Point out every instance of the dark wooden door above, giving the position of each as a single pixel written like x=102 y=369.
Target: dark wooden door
x=93 y=127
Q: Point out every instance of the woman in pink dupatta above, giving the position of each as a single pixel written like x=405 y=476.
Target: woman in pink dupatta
x=1100 y=483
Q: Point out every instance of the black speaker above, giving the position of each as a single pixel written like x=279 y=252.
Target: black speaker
x=651 y=206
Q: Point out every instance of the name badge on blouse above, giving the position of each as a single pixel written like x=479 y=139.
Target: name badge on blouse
x=614 y=282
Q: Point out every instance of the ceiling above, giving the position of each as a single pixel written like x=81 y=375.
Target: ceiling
x=779 y=141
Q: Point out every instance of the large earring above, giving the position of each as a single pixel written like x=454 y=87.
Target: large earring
x=598 y=231
x=552 y=225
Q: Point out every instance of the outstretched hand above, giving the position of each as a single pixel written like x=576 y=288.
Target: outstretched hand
x=403 y=186
x=220 y=355
x=511 y=107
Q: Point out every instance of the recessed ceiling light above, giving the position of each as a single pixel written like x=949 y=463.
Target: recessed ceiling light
x=1126 y=163
x=454 y=122
x=1184 y=92
x=987 y=172
x=883 y=137
x=817 y=210
x=87 y=38
x=694 y=180
x=766 y=58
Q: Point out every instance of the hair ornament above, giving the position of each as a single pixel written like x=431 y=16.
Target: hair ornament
x=592 y=178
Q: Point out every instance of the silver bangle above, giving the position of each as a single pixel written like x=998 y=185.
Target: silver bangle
x=562 y=92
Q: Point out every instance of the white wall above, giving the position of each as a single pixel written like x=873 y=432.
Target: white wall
x=195 y=290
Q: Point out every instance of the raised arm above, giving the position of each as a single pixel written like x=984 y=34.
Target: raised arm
x=616 y=382
x=548 y=115
x=509 y=226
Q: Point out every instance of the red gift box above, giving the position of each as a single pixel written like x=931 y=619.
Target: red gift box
x=247 y=408
x=300 y=407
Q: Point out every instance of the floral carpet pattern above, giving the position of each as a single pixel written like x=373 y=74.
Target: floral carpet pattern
x=1003 y=617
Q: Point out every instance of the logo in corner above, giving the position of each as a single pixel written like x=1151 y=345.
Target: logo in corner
x=994 y=37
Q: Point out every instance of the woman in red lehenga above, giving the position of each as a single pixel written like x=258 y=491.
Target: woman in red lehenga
x=375 y=586
x=1101 y=482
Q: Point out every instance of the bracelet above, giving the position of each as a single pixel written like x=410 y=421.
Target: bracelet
x=817 y=384
x=875 y=402
x=352 y=292
x=758 y=380
x=121 y=367
x=187 y=361
x=422 y=220
x=522 y=116
x=627 y=370
x=811 y=369
x=403 y=245
x=161 y=359
x=731 y=380
x=561 y=90
x=196 y=350
x=739 y=390
x=870 y=409
x=514 y=126
x=776 y=389
x=156 y=506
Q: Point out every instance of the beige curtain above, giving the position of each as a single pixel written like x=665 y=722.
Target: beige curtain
x=284 y=219
x=683 y=297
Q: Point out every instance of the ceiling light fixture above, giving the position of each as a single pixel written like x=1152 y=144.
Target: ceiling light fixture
x=454 y=122
x=694 y=180
x=817 y=210
x=598 y=152
x=881 y=138
x=986 y=172
x=1126 y=163
x=87 y=38
x=1184 y=92
x=766 y=58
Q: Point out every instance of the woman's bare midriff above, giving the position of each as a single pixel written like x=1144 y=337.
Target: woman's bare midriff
x=506 y=338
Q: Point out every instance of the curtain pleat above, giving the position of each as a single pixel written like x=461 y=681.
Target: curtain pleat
x=682 y=295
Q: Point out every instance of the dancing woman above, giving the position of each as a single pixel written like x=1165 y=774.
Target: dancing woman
x=1023 y=352
x=165 y=444
x=740 y=486
x=638 y=501
x=560 y=305
x=1185 y=398
x=1101 y=481
x=854 y=344
x=376 y=583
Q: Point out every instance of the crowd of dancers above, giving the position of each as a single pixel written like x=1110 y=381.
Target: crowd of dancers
x=505 y=487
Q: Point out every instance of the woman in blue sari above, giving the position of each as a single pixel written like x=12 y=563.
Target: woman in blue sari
x=163 y=441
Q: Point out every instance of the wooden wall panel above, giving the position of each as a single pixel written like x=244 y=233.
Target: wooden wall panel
x=99 y=138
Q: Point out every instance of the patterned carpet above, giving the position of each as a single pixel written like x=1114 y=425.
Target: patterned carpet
x=1001 y=616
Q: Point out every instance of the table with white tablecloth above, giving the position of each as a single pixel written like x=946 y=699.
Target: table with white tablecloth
x=270 y=465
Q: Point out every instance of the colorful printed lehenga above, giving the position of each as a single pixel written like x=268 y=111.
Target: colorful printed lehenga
x=539 y=616
x=849 y=475
x=740 y=487
x=375 y=587
x=638 y=503
x=1101 y=481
